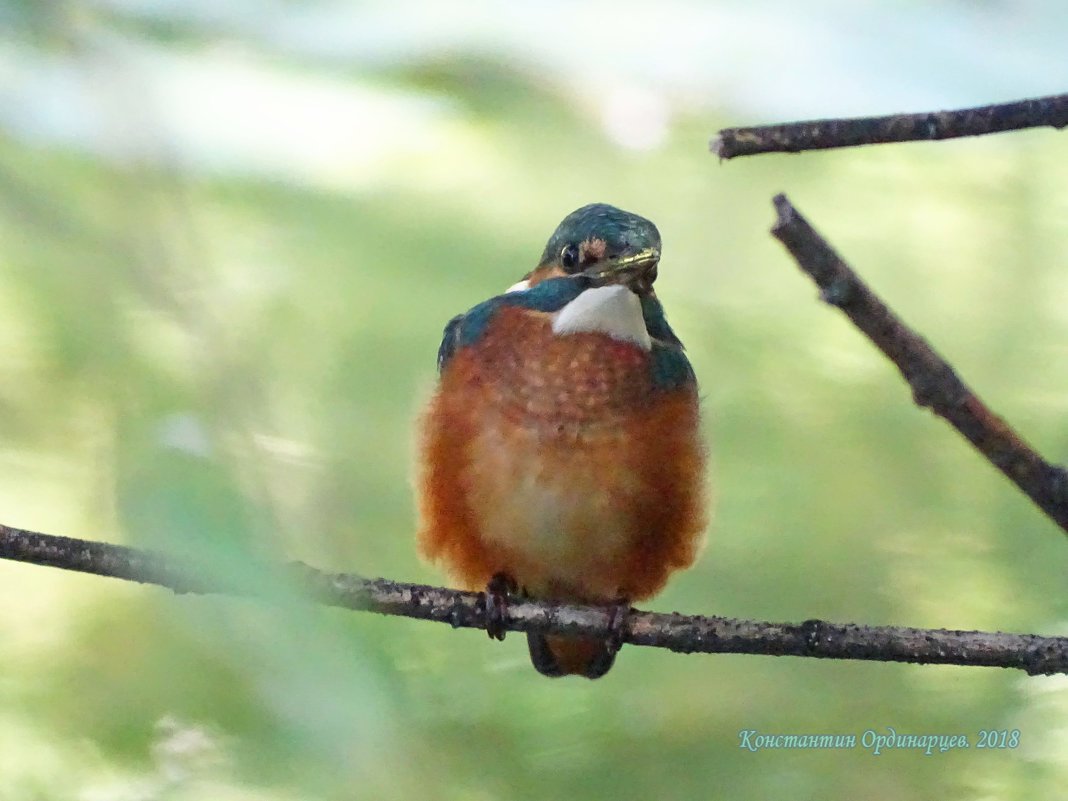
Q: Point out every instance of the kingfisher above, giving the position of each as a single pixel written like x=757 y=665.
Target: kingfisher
x=560 y=455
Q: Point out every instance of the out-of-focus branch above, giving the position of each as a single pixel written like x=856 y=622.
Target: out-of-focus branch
x=934 y=382
x=685 y=634
x=824 y=134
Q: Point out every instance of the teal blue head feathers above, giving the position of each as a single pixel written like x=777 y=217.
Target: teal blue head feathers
x=608 y=244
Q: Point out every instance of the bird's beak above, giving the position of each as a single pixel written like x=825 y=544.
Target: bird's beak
x=637 y=271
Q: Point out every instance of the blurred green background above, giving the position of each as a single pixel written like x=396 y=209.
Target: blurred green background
x=230 y=235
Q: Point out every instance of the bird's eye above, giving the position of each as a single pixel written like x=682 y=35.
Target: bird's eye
x=569 y=257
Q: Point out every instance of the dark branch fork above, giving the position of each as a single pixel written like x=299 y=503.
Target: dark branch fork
x=685 y=634
x=934 y=382
x=795 y=137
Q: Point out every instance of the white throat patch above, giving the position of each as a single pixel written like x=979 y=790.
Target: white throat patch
x=612 y=310
x=520 y=286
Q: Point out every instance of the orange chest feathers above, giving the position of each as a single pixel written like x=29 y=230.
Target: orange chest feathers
x=557 y=460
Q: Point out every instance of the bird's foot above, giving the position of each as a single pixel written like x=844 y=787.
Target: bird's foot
x=618 y=621
x=500 y=586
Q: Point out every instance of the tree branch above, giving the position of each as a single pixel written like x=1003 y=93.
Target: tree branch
x=824 y=134
x=934 y=382
x=685 y=634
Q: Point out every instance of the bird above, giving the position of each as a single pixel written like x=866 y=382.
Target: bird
x=560 y=454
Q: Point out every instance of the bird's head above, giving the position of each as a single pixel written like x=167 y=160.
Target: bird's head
x=596 y=275
x=609 y=245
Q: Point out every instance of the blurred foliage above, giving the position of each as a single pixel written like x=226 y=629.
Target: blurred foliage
x=229 y=367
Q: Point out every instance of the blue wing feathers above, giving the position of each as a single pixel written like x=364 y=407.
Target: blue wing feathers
x=670 y=367
x=449 y=341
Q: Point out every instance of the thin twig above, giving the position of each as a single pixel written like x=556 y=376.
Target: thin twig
x=685 y=634
x=824 y=134
x=934 y=382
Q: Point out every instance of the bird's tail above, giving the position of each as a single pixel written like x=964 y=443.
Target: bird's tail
x=566 y=656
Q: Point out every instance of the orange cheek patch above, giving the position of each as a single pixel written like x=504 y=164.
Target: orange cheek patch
x=592 y=250
x=544 y=273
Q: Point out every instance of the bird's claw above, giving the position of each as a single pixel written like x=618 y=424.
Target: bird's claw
x=618 y=623
x=500 y=586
